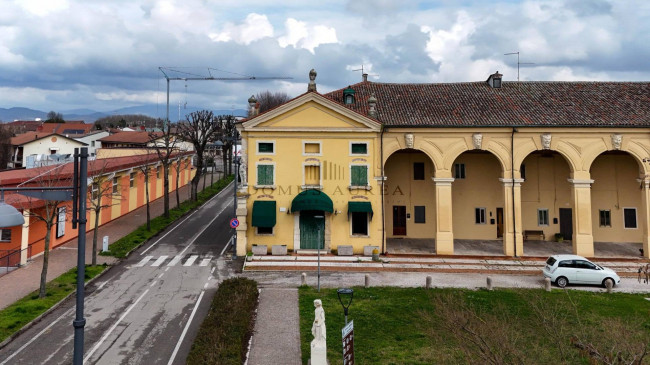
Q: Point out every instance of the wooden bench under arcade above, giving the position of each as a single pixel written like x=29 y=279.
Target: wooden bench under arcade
x=534 y=233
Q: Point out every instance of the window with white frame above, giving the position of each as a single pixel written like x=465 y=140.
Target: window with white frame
x=5 y=236
x=359 y=223
x=116 y=185
x=459 y=171
x=311 y=148
x=479 y=215
x=95 y=191
x=629 y=218
x=312 y=175
x=359 y=175
x=605 y=218
x=358 y=148
x=542 y=217
x=265 y=147
x=158 y=172
x=265 y=174
x=132 y=179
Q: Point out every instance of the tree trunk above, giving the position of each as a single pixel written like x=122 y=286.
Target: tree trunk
x=46 y=257
x=166 y=189
x=146 y=193
x=204 y=179
x=178 y=181
x=97 y=211
x=212 y=174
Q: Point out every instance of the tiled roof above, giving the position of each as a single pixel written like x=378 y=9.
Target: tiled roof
x=595 y=104
x=130 y=137
x=66 y=128
x=21 y=139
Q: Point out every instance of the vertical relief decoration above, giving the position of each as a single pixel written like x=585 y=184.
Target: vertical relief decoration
x=408 y=140
x=616 y=141
x=546 y=141
x=477 y=138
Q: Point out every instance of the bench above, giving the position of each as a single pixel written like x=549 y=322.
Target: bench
x=534 y=233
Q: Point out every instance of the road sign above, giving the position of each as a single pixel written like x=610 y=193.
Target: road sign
x=234 y=223
x=348 y=344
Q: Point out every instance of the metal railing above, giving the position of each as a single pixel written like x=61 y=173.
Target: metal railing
x=10 y=259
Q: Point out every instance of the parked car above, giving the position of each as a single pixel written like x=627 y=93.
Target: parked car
x=573 y=269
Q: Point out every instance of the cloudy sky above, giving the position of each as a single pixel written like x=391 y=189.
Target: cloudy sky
x=100 y=54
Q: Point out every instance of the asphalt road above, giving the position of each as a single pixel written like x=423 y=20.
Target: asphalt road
x=147 y=309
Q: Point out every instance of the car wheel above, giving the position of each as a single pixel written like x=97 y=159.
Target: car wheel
x=561 y=281
x=610 y=280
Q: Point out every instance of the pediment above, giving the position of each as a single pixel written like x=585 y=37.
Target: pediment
x=312 y=112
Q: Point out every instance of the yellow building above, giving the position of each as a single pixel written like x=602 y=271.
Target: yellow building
x=482 y=161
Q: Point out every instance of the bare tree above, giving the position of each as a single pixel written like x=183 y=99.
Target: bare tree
x=104 y=193
x=180 y=164
x=54 y=117
x=228 y=135
x=201 y=128
x=165 y=146
x=5 y=146
x=268 y=100
x=145 y=169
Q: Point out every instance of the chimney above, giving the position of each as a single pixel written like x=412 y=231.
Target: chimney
x=364 y=76
x=494 y=81
x=252 y=103
x=312 y=80
x=372 y=102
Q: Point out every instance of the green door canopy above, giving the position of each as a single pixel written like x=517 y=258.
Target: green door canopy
x=263 y=213
x=312 y=200
x=360 y=207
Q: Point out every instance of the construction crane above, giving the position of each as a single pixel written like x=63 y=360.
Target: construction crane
x=197 y=77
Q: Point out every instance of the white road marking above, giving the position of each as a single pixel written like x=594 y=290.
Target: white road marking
x=36 y=337
x=191 y=260
x=175 y=260
x=101 y=286
x=113 y=327
x=205 y=262
x=160 y=260
x=188 y=217
x=212 y=271
x=227 y=245
x=187 y=326
x=154 y=283
x=166 y=269
x=143 y=261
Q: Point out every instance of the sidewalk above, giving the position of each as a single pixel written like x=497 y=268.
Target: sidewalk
x=20 y=282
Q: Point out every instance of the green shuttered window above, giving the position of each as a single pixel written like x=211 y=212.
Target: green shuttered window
x=359 y=148
x=359 y=176
x=265 y=174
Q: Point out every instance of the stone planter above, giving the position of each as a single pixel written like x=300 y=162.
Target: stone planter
x=367 y=250
x=279 y=250
x=345 y=250
x=260 y=250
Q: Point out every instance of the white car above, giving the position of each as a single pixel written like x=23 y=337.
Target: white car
x=573 y=269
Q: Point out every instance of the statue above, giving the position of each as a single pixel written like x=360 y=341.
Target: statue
x=546 y=141
x=477 y=138
x=318 y=330
x=616 y=141
x=408 y=140
x=312 y=80
x=242 y=171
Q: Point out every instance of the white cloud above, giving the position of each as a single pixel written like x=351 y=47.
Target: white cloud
x=253 y=28
x=43 y=7
x=299 y=35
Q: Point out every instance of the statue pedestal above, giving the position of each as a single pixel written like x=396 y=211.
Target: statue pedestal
x=318 y=353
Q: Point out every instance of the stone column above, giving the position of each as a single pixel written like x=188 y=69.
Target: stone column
x=645 y=215
x=242 y=212
x=512 y=237
x=583 y=239
x=24 y=239
x=444 y=223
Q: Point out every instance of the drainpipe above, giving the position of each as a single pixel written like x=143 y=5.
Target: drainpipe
x=383 y=181
x=512 y=173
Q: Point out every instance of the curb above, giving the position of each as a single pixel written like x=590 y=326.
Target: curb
x=50 y=310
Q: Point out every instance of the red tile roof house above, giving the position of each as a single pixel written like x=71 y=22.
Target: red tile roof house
x=128 y=184
x=70 y=128
x=39 y=145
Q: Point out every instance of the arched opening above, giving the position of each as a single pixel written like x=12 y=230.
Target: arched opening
x=478 y=203
x=546 y=204
x=617 y=213
x=409 y=203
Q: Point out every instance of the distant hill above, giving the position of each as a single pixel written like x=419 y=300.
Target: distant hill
x=90 y=116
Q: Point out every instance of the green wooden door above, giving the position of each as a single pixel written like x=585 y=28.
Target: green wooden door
x=312 y=230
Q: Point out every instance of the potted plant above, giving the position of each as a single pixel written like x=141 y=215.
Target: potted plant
x=559 y=237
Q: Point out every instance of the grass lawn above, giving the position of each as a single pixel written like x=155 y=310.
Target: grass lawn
x=15 y=316
x=455 y=326
x=124 y=245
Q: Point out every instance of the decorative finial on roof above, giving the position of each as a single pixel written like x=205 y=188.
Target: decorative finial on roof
x=252 y=106
x=312 y=80
x=372 y=102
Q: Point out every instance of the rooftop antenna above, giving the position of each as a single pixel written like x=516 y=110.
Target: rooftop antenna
x=518 y=63
x=363 y=73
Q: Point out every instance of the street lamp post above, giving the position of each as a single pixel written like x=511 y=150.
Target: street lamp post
x=318 y=246
x=345 y=293
x=9 y=216
x=234 y=237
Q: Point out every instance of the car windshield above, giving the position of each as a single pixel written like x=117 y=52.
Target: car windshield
x=550 y=261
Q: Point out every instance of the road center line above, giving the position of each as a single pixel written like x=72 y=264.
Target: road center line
x=203 y=230
x=187 y=326
x=113 y=327
x=183 y=221
x=36 y=337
